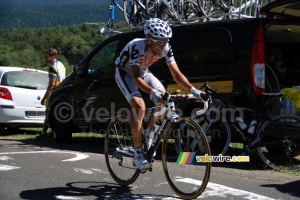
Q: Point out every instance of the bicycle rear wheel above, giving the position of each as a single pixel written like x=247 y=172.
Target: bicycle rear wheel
x=182 y=143
x=118 y=151
x=280 y=143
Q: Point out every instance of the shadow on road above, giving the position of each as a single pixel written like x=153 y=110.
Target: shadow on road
x=291 y=188
x=255 y=161
x=91 y=190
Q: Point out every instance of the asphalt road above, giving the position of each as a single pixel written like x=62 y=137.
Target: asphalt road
x=33 y=169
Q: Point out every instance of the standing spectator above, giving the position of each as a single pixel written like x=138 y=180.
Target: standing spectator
x=57 y=74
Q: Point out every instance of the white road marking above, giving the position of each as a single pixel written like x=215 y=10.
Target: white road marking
x=79 y=156
x=7 y=167
x=163 y=183
x=100 y=171
x=217 y=190
x=4 y=158
x=90 y=171
x=84 y=171
x=66 y=197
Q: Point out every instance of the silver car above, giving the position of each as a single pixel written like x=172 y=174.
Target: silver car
x=21 y=92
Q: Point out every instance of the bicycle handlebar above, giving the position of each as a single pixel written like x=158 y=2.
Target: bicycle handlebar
x=166 y=97
x=188 y=96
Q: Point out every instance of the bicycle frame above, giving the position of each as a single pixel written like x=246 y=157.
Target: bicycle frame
x=170 y=116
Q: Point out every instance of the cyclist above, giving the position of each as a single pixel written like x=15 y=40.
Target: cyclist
x=132 y=73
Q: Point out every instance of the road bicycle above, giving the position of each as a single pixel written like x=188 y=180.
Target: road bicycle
x=276 y=138
x=178 y=135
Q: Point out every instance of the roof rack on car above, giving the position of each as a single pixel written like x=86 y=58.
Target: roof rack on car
x=241 y=9
x=216 y=17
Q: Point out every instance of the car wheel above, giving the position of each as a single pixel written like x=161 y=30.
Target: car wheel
x=63 y=115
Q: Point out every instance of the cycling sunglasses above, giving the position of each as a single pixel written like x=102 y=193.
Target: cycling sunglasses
x=159 y=42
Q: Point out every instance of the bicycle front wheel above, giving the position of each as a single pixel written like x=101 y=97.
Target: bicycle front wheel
x=118 y=151
x=183 y=143
x=279 y=147
x=216 y=130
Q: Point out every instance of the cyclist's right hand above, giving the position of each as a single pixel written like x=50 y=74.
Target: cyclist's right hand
x=155 y=96
x=202 y=96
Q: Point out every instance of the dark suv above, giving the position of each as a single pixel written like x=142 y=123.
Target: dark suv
x=229 y=54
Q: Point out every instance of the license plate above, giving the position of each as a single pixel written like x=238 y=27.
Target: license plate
x=35 y=114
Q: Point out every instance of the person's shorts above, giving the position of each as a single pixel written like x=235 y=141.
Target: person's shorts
x=128 y=87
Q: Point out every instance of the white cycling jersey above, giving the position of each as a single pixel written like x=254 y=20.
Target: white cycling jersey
x=134 y=54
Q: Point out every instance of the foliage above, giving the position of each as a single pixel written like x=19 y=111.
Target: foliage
x=34 y=13
x=25 y=47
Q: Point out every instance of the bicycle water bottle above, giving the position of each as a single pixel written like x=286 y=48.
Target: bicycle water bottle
x=252 y=126
x=284 y=106
x=149 y=135
x=275 y=109
x=241 y=123
x=291 y=107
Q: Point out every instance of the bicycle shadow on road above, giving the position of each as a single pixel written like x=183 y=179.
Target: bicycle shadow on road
x=85 y=190
x=291 y=188
x=255 y=161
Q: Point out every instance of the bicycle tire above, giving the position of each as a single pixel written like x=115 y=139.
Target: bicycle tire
x=216 y=130
x=168 y=14
x=214 y=9
x=118 y=137
x=190 y=10
x=152 y=8
x=279 y=145
x=135 y=13
x=272 y=82
x=187 y=180
x=128 y=11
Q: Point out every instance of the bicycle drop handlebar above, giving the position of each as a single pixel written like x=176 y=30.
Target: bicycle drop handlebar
x=205 y=97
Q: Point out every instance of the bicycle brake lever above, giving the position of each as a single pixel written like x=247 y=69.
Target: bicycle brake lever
x=205 y=96
x=165 y=96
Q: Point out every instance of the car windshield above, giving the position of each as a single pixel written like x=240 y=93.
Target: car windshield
x=25 y=79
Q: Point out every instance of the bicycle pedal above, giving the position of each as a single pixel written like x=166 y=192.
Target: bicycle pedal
x=143 y=171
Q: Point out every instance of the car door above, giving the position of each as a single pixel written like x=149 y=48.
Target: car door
x=94 y=102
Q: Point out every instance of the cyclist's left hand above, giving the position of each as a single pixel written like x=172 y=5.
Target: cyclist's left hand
x=156 y=95
x=161 y=101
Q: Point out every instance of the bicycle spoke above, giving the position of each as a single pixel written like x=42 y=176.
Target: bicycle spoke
x=280 y=143
x=118 y=151
x=187 y=180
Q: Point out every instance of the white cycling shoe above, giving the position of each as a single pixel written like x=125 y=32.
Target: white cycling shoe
x=140 y=162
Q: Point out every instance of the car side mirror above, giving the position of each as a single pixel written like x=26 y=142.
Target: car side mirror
x=79 y=70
